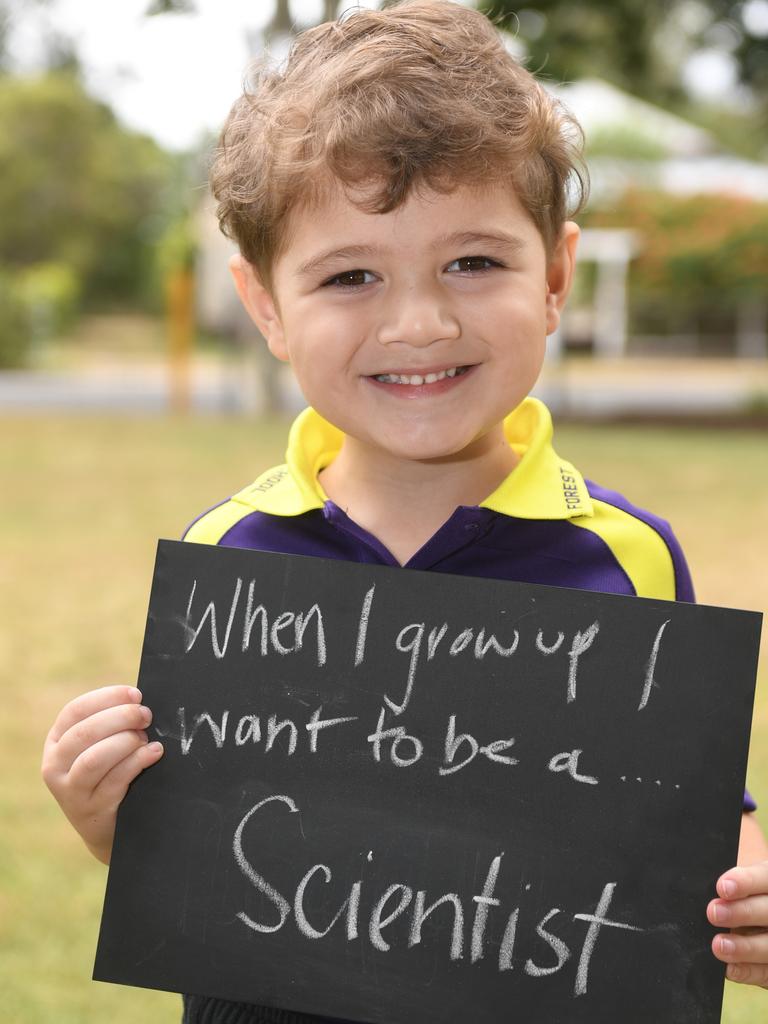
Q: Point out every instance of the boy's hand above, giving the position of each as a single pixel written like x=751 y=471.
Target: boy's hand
x=743 y=907
x=95 y=749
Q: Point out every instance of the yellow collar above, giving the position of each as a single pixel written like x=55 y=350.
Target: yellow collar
x=542 y=485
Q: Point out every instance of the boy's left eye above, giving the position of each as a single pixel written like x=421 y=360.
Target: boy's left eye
x=468 y=264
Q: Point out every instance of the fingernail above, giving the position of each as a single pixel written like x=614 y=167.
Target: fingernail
x=146 y=715
x=734 y=972
x=134 y=694
x=727 y=946
x=720 y=913
x=728 y=888
x=155 y=747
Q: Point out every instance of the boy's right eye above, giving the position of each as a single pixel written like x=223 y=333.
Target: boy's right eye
x=350 y=279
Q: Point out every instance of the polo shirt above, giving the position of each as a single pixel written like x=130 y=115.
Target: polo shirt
x=543 y=524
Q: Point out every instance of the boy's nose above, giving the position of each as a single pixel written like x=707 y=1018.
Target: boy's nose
x=417 y=318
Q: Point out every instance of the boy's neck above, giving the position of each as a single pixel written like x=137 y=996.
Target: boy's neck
x=404 y=502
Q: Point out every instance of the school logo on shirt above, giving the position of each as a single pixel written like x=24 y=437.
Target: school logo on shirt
x=571 y=491
x=274 y=478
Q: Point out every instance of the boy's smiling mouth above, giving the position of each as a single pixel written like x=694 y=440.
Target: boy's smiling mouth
x=420 y=379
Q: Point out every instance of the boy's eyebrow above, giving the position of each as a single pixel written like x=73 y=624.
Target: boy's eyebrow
x=482 y=238
x=348 y=252
x=354 y=252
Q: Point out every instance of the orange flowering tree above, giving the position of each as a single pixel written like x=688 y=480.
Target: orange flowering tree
x=697 y=255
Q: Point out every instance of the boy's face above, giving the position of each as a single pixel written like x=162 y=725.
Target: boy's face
x=416 y=331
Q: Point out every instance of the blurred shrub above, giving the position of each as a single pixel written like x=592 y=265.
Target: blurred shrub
x=629 y=142
x=698 y=253
x=36 y=304
x=51 y=295
x=76 y=188
x=14 y=329
x=177 y=248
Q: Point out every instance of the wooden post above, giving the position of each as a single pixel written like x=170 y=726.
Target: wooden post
x=180 y=320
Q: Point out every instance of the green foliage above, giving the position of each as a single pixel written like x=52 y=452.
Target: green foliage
x=36 y=304
x=640 y=47
x=626 y=142
x=702 y=252
x=75 y=187
x=51 y=296
x=751 y=51
x=14 y=333
x=567 y=41
x=177 y=247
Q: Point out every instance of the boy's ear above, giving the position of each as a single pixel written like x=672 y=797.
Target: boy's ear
x=560 y=273
x=259 y=304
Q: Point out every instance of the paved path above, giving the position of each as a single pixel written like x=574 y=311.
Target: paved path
x=656 y=387
x=127 y=389
x=578 y=387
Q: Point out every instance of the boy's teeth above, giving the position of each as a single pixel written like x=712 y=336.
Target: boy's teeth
x=415 y=379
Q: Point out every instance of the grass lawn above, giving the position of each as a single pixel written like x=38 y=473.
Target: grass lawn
x=84 y=500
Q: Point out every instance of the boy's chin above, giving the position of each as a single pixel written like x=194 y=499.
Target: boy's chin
x=429 y=450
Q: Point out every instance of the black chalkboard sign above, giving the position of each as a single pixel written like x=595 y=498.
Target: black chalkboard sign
x=394 y=796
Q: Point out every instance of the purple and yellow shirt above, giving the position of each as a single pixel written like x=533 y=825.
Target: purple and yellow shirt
x=543 y=524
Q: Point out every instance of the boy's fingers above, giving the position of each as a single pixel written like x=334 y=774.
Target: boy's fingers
x=751 y=912
x=95 y=763
x=748 y=974
x=97 y=727
x=115 y=783
x=740 y=882
x=741 y=949
x=88 y=704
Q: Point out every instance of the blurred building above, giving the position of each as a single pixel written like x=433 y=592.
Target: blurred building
x=682 y=158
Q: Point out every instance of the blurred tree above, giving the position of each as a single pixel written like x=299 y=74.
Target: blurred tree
x=75 y=187
x=568 y=41
x=749 y=41
x=281 y=23
x=641 y=47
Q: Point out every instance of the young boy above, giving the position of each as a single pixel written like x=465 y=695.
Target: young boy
x=400 y=194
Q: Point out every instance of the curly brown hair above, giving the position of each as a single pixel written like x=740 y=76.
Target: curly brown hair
x=422 y=94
